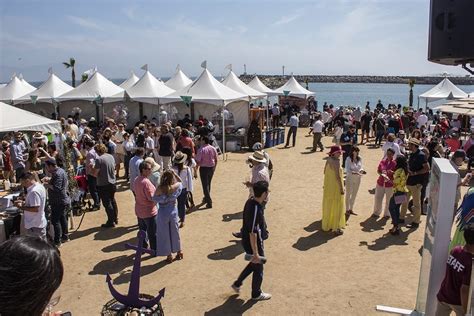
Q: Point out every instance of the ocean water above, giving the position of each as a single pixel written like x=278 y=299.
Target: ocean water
x=359 y=93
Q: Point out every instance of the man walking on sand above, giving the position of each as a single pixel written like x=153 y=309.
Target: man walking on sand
x=294 y=122
x=318 y=133
x=252 y=242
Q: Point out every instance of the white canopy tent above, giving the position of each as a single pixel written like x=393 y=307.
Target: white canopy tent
x=14 y=89
x=258 y=85
x=15 y=119
x=233 y=82
x=147 y=90
x=206 y=92
x=179 y=80
x=25 y=83
x=96 y=88
x=443 y=90
x=127 y=84
x=52 y=88
x=294 y=89
x=461 y=106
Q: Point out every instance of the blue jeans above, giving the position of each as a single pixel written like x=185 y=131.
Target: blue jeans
x=394 y=208
x=148 y=225
x=182 y=204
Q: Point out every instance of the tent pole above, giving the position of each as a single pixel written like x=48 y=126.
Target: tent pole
x=426 y=105
x=223 y=132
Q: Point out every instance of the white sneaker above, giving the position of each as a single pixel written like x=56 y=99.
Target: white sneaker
x=235 y=288
x=262 y=297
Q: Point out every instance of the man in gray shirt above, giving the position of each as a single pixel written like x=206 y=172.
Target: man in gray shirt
x=104 y=170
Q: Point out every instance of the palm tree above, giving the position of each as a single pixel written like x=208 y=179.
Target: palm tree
x=411 y=83
x=71 y=64
x=84 y=77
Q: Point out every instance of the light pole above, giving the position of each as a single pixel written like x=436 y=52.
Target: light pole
x=283 y=68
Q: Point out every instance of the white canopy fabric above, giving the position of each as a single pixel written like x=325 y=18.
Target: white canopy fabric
x=127 y=84
x=461 y=106
x=258 y=85
x=15 y=119
x=97 y=85
x=2 y=85
x=178 y=81
x=148 y=90
x=233 y=82
x=25 y=83
x=206 y=89
x=52 y=88
x=14 y=89
x=294 y=89
x=443 y=90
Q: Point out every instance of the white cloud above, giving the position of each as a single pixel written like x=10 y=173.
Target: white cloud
x=84 y=22
x=288 y=18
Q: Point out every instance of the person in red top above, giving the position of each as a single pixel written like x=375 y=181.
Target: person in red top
x=384 y=187
x=184 y=141
x=444 y=124
x=145 y=207
x=454 y=292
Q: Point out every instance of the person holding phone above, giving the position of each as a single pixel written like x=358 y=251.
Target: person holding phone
x=253 y=225
x=384 y=187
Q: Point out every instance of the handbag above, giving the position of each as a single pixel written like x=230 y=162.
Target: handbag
x=400 y=198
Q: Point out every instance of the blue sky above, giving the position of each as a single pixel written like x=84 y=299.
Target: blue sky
x=308 y=37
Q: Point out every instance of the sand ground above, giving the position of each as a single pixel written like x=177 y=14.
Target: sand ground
x=309 y=272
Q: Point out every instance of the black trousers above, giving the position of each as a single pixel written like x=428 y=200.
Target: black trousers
x=291 y=132
x=206 y=174
x=59 y=221
x=256 y=270
x=347 y=151
x=92 y=187
x=107 y=195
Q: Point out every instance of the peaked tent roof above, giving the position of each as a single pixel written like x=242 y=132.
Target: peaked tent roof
x=233 y=82
x=14 y=89
x=148 y=89
x=294 y=89
x=15 y=119
x=97 y=85
x=127 y=84
x=260 y=86
x=443 y=90
x=25 y=83
x=206 y=89
x=178 y=81
x=52 y=88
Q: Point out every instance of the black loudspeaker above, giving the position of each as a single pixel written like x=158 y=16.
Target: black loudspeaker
x=451 y=38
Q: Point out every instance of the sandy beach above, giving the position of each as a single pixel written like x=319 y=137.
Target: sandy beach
x=309 y=272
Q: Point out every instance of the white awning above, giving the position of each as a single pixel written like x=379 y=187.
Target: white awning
x=443 y=90
x=52 y=88
x=15 y=119
x=294 y=89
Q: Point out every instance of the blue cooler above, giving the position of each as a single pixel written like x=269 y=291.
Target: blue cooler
x=269 y=140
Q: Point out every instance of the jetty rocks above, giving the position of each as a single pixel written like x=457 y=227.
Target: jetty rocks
x=275 y=81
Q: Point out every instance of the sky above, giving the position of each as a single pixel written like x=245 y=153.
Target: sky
x=328 y=37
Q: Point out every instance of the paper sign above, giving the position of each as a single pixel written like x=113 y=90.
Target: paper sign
x=186 y=99
x=286 y=92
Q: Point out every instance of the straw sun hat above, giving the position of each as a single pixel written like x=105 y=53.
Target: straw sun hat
x=258 y=156
x=154 y=166
x=180 y=157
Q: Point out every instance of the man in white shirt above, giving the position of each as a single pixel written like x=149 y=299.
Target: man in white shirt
x=119 y=150
x=318 y=133
x=294 y=122
x=422 y=120
x=149 y=145
x=33 y=206
x=326 y=119
x=276 y=115
x=390 y=143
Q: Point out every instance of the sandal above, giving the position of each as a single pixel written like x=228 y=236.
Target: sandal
x=338 y=232
x=169 y=259
x=179 y=256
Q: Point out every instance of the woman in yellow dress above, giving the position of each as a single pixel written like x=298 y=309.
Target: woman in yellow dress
x=333 y=193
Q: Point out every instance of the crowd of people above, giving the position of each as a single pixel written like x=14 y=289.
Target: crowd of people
x=161 y=163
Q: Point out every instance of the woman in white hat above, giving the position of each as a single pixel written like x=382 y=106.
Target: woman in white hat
x=260 y=171
x=186 y=175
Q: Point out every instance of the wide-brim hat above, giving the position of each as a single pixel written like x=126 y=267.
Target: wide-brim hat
x=154 y=165
x=335 y=149
x=83 y=121
x=180 y=157
x=38 y=135
x=258 y=156
x=414 y=141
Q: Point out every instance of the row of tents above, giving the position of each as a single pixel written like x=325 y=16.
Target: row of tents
x=206 y=92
